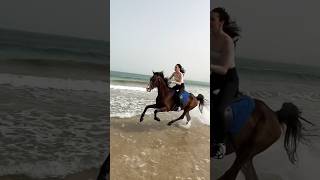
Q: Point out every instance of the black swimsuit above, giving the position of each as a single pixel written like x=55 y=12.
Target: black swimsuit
x=229 y=87
x=179 y=87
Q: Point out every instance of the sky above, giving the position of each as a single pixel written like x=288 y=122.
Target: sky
x=79 y=18
x=155 y=35
x=283 y=31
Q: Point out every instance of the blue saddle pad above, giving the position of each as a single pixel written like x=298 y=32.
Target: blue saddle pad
x=241 y=110
x=184 y=97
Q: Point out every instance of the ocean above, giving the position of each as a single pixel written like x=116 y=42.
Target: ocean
x=276 y=83
x=128 y=95
x=17 y=44
x=54 y=104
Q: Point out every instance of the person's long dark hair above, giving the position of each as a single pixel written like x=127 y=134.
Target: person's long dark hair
x=181 y=68
x=229 y=27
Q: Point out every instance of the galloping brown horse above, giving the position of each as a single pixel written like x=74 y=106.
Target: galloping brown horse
x=260 y=132
x=165 y=100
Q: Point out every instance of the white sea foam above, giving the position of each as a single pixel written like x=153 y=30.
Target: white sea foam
x=130 y=88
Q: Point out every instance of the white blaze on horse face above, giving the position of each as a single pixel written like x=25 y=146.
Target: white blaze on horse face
x=148 y=88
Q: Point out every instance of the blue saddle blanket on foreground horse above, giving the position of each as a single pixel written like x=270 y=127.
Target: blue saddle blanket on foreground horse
x=241 y=110
x=184 y=97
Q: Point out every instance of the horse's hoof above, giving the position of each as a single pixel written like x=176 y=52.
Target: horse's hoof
x=141 y=119
x=169 y=123
x=187 y=122
x=157 y=119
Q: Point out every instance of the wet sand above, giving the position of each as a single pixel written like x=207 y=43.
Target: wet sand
x=154 y=150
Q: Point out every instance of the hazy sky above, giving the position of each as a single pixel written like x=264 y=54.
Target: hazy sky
x=81 y=18
x=284 y=31
x=151 y=35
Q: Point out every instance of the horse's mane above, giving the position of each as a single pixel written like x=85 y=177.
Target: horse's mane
x=162 y=76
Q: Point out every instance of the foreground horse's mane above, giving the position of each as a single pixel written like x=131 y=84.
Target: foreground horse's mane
x=162 y=76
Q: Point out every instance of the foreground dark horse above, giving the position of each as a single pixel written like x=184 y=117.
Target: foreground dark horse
x=165 y=100
x=260 y=132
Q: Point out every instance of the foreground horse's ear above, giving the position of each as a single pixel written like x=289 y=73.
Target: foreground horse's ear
x=152 y=71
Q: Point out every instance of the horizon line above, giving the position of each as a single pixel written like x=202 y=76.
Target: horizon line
x=159 y=71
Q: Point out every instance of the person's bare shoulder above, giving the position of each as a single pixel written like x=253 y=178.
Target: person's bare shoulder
x=228 y=41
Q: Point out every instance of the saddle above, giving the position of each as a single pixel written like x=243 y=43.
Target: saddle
x=181 y=99
x=238 y=113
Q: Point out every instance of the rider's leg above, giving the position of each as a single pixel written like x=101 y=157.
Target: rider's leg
x=225 y=97
x=176 y=95
x=181 y=88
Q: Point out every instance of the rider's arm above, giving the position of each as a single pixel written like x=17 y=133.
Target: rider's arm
x=179 y=82
x=171 y=76
x=173 y=81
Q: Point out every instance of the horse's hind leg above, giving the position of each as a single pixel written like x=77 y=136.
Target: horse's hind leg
x=181 y=117
x=262 y=140
x=249 y=171
x=188 y=117
x=189 y=107
x=244 y=155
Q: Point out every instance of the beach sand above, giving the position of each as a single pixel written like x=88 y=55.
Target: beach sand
x=154 y=150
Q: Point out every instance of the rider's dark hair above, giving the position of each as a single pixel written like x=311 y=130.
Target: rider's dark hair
x=229 y=27
x=181 y=68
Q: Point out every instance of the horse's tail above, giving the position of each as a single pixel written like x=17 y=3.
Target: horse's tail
x=200 y=98
x=289 y=114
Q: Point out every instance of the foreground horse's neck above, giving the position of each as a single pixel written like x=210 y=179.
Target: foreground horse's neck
x=163 y=89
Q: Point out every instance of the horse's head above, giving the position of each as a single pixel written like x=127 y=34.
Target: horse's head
x=156 y=80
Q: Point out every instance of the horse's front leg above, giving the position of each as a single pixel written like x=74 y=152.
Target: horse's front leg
x=145 y=109
x=163 y=109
